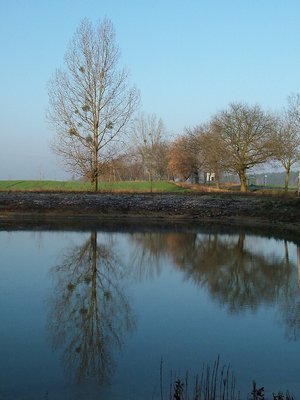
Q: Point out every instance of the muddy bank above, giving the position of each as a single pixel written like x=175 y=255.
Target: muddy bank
x=29 y=207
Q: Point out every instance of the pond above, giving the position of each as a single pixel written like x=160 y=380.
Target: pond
x=121 y=315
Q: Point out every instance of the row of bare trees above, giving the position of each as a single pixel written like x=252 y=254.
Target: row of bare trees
x=240 y=138
x=92 y=108
x=234 y=140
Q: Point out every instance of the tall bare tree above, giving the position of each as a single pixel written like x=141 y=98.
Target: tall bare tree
x=247 y=135
x=293 y=109
x=149 y=137
x=90 y=100
x=286 y=144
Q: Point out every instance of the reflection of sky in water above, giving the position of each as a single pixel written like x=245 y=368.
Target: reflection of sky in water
x=175 y=319
x=271 y=247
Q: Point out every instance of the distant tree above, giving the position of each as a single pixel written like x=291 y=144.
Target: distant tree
x=123 y=167
x=133 y=166
x=246 y=132
x=149 y=139
x=286 y=144
x=90 y=101
x=293 y=109
x=294 y=114
x=185 y=158
x=213 y=150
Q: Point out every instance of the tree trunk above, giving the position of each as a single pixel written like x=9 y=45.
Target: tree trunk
x=286 y=179
x=93 y=269
x=96 y=182
x=217 y=180
x=94 y=178
x=241 y=242
x=95 y=160
x=243 y=180
x=286 y=253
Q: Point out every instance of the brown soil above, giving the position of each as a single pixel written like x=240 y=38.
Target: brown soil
x=279 y=212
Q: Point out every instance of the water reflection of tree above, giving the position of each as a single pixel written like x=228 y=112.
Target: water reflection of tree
x=234 y=275
x=146 y=255
x=90 y=312
x=290 y=306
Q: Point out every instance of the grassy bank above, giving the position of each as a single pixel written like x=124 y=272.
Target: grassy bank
x=130 y=186
x=135 y=187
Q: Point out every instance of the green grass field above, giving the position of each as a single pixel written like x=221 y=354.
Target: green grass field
x=130 y=186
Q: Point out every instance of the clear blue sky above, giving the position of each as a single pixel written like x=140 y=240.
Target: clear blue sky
x=189 y=58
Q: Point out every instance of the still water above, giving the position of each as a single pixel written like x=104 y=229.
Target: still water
x=92 y=315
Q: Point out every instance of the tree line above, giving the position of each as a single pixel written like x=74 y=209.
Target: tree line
x=93 y=109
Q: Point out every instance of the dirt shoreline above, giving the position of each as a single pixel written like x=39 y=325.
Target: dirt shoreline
x=37 y=207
